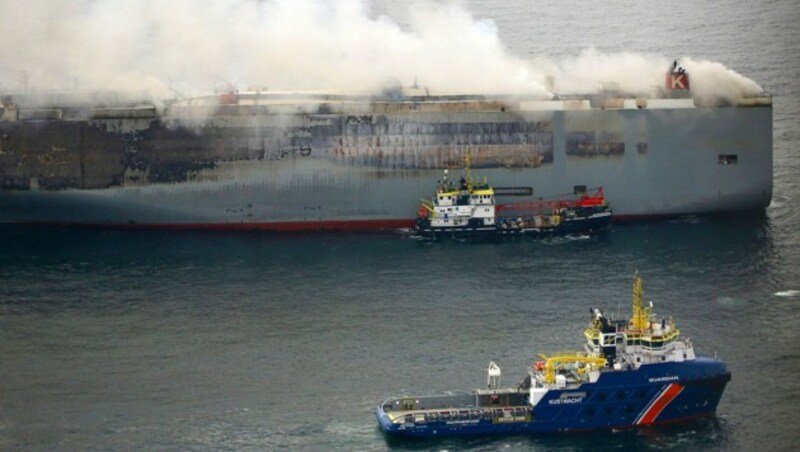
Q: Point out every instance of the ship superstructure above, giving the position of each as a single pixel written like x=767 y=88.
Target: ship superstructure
x=631 y=373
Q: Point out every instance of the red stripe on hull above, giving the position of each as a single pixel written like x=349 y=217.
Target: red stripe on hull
x=658 y=406
x=284 y=226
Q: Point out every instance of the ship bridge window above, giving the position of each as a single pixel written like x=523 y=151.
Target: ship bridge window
x=728 y=159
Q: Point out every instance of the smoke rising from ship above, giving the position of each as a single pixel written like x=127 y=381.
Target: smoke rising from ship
x=185 y=47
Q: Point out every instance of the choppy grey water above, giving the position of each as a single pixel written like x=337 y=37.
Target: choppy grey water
x=118 y=340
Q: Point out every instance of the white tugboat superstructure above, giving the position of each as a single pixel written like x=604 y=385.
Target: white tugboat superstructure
x=470 y=210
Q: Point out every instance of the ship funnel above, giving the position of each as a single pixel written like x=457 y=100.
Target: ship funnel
x=227 y=95
x=676 y=79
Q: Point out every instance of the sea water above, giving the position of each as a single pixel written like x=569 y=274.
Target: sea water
x=197 y=341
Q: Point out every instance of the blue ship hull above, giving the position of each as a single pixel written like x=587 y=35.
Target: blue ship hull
x=653 y=394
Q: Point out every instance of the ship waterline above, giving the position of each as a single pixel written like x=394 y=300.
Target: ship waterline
x=325 y=163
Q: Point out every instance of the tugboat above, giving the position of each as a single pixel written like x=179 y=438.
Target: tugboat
x=469 y=211
x=632 y=373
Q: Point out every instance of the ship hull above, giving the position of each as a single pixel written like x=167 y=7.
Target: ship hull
x=594 y=224
x=366 y=166
x=655 y=394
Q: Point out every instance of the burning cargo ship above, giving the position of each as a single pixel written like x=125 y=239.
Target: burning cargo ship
x=287 y=161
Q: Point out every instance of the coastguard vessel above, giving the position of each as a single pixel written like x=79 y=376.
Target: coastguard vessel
x=631 y=373
x=469 y=210
x=310 y=160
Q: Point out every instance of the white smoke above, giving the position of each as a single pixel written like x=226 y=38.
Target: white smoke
x=189 y=46
x=711 y=80
x=592 y=70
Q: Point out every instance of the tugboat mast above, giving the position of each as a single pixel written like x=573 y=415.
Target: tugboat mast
x=641 y=315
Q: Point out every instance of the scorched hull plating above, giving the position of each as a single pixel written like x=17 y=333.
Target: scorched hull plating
x=366 y=165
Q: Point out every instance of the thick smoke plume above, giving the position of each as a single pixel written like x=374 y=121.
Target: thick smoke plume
x=190 y=47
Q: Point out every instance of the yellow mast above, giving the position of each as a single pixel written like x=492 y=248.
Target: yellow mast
x=641 y=315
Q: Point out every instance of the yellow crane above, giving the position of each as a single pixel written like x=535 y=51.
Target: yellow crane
x=555 y=362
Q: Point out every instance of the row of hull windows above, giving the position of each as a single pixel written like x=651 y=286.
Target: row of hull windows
x=582 y=147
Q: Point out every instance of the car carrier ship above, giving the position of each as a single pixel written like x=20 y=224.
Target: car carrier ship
x=631 y=373
x=310 y=161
